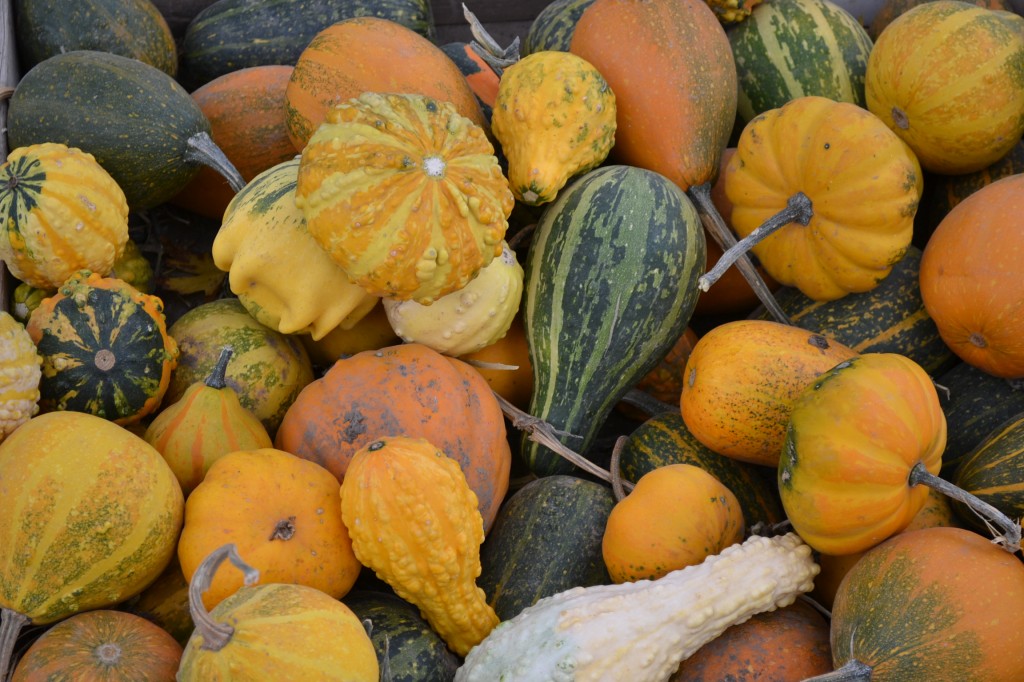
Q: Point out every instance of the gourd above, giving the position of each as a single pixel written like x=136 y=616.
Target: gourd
x=19 y=375
x=676 y=516
x=968 y=278
x=403 y=390
x=553 y=26
x=371 y=332
x=279 y=509
x=466 y=320
x=154 y=137
x=641 y=631
x=273 y=631
x=834 y=217
x=889 y=10
x=479 y=74
x=414 y=521
x=554 y=116
x=62 y=212
x=101 y=645
x=106 y=349
x=24 y=299
x=945 y=77
x=113 y=522
x=205 y=424
x=991 y=472
x=281 y=275
x=440 y=203
x=134 y=268
x=741 y=380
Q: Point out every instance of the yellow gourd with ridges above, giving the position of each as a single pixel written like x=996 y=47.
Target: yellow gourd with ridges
x=19 y=375
x=555 y=117
x=466 y=320
x=413 y=519
x=405 y=194
x=277 y=270
x=61 y=212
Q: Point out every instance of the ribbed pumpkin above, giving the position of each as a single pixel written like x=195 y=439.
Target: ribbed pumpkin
x=105 y=347
x=405 y=194
x=89 y=516
x=61 y=212
x=414 y=521
x=404 y=390
x=205 y=424
x=113 y=646
x=367 y=54
x=278 y=271
x=945 y=76
x=281 y=511
x=860 y=183
x=19 y=375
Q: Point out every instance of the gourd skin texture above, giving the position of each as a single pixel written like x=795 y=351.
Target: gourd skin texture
x=554 y=117
x=641 y=631
x=283 y=632
x=71 y=543
x=405 y=194
x=864 y=184
x=277 y=270
x=852 y=439
x=61 y=212
x=19 y=375
x=414 y=521
x=948 y=78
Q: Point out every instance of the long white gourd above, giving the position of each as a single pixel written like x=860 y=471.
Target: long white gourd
x=641 y=631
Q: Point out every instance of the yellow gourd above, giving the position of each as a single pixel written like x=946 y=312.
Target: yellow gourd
x=554 y=116
x=19 y=375
x=413 y=519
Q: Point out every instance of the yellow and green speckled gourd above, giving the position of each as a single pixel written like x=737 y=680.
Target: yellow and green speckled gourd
x=554 y=116
x=61 y=212
x=89 y=516
x=19 y=375
x=414 y=521
x=405 y=194
x=277 y=270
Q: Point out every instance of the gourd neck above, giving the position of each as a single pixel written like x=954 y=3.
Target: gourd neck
x=217 y=376
x=215 y=634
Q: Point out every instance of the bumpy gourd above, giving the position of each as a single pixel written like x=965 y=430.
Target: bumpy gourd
x=405 y=194
x=466 y=320
x=554 y=117
x=414 y=521
x=641 y=631
x=732 y=11
x=19 y=375
x=277 y=270
x=61 y=212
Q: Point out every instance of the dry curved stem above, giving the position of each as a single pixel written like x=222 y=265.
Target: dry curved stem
x=723 y=236
x=647 y=403
x=613 y=467
x=203 y=150
x=11 y=623
x=215 y=634
x=497 y=57
x=5 y=93
x=539 y=431
x=525 y=233
x=852 y=671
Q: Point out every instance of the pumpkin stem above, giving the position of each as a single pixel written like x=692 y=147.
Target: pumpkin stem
x=798 y=210
x=284 y=530
x=719 y=231
x=1011 y=532
x=11 y=623
x=616 y=472
x=215 y=634
x=497 y=57
x=219 y=372
x=203 y=150
x=852 y=671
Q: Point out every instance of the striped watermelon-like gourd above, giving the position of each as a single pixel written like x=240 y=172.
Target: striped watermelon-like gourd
x=994 y=471
x=793 y=48
x=552 y=28
x=610 y=285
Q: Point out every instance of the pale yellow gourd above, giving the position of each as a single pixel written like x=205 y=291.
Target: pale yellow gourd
x=554 y=116
x=280 y=274
x=19 y=375
x=641 y=631
x=466 y=320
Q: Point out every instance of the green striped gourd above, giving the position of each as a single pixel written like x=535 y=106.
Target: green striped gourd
x=792 y=48
x=994 y=471
x=552 y=28
x=610 y=285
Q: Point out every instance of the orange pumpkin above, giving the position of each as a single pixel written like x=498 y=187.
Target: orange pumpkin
x=512 y=351
x=404 y=390
x=971 y=282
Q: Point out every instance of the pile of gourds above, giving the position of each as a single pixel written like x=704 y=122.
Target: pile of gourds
x=460 y=377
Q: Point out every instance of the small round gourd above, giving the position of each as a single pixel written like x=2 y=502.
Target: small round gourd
x=19 y=375
x=405 y=194
x=62 y=212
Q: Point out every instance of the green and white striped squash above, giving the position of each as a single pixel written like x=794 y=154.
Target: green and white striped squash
x=994 y=471
x=611 y=282
x=552 y=28
x=793 y=48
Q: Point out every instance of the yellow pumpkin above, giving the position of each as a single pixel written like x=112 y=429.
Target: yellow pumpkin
x=405 y=194
x=19 y=375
